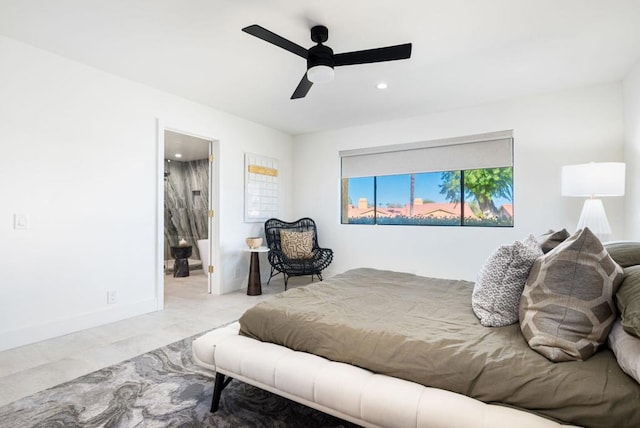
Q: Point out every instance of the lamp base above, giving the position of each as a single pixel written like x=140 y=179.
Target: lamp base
x=594 y=217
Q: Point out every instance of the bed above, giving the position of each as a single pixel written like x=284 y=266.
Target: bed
x=381 y=348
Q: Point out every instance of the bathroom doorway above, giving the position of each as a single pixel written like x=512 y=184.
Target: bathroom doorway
x=189 y=196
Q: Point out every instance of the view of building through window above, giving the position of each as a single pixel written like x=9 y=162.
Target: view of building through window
x=480 y=197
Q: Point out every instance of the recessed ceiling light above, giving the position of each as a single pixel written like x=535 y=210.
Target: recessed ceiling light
x=382 y=85
x=178 y=155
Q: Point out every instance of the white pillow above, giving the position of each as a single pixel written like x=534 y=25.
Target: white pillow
x=496 y=293
x=627 y=350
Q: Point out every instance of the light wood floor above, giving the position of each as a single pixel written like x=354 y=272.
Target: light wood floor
x=189 y=310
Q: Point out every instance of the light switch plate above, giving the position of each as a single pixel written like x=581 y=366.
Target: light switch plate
x=20 y=221
x=112 y=297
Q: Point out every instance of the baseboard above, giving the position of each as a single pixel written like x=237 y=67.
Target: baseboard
x=36 y=333
x=234 y=285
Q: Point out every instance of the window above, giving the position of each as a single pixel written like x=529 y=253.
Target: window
x=415 y=199
x=360 y=207
x=405 y=187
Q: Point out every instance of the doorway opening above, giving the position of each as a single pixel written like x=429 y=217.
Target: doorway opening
x=188 y=236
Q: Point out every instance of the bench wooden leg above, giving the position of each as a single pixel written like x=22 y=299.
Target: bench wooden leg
x=218 y=385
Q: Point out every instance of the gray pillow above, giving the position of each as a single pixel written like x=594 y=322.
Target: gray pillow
x=627 y=350
x=497 y=291
x=628 y=300
x=567 y=308
x=552 y=239
x=625 y=253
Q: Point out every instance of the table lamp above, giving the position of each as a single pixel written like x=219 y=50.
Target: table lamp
x=594 y=180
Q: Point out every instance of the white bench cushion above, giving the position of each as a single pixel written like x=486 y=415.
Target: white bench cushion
x=349 y=392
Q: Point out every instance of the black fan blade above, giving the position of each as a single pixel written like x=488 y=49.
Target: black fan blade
x=273 y=38
x=390 y=53
x=303 y=87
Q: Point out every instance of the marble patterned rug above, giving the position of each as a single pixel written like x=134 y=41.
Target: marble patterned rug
x=162 y=388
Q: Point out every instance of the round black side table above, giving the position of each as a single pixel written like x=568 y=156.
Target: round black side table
x=181 y=265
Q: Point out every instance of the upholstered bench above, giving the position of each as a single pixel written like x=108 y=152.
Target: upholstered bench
x=345 y=391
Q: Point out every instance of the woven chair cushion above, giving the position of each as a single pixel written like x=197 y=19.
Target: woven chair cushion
x=297 y=245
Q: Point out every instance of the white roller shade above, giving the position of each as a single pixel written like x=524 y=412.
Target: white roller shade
x=462 y=153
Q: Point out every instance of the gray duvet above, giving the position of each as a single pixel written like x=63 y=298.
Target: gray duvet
x=423 y=330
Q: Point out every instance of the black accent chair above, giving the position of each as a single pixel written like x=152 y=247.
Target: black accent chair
x=280 y=263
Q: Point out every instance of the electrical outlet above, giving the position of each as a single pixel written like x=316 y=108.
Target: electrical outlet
x=20 y=221
x=112 y=297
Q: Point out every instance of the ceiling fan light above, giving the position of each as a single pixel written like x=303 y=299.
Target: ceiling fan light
x=320 y=74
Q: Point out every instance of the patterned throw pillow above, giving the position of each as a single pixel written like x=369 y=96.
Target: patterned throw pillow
x=297 y=245
x=497 y=291
x=567 y=308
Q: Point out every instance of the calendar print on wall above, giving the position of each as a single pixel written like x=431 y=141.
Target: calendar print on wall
x=261 y=196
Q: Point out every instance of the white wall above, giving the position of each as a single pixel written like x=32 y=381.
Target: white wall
x=549 y=131
x=631 y=90
x=79 y=158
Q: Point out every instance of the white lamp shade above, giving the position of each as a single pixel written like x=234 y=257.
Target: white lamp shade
x=593 y=179
x=320 y=74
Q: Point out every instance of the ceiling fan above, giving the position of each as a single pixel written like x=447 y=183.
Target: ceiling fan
x=320 y=58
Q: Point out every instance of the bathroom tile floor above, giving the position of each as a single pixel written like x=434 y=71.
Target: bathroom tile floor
x=189 y=310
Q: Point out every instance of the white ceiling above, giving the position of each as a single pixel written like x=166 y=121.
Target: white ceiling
x=188 y=147
x=465 y=52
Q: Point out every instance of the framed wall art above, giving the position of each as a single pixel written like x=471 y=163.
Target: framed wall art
x=262 y=188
